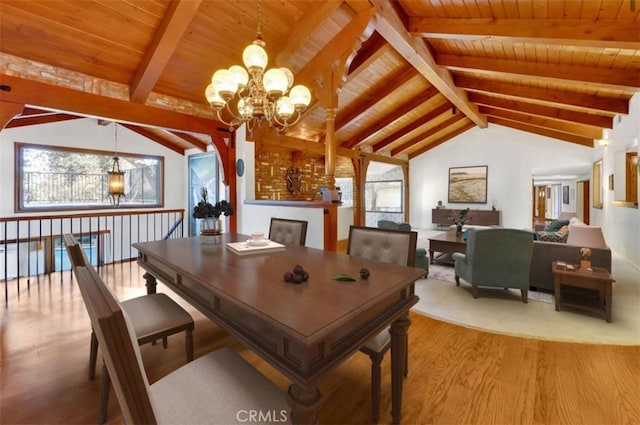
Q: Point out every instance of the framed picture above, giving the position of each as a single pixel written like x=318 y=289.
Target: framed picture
x=565 y=194
x=468 y=185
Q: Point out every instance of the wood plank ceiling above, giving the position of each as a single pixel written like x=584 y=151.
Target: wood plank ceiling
x=419 y=72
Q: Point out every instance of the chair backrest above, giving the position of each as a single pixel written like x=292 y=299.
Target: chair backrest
x=386 y=245
x=289 y=232
x=119 y=347
x=75 y=252
x=500 y=250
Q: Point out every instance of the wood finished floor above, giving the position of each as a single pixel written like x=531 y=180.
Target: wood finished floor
x=456 y=375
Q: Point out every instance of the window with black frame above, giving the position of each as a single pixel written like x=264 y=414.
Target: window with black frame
x=53 y=178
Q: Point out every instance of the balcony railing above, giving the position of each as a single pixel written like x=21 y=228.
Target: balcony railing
x=32 y=246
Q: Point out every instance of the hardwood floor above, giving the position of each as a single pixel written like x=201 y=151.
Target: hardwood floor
x=456 y=375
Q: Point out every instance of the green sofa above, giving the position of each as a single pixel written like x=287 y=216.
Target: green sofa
x=422 y=259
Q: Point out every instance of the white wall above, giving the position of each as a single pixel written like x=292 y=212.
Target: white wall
x=86 y=133
x=511 y=157
x=621 y=225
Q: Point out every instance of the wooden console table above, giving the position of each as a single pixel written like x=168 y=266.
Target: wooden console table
x=440 y=216
x=571 y=289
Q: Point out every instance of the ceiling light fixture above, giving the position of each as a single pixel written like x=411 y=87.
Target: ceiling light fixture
x=259 y=95
x=115 y=177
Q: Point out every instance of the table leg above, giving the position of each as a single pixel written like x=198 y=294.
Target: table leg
x=430 y=255
x=398 y=333
x=151 y=283
x=556 y=293
x=607 y=300
x=304 y=403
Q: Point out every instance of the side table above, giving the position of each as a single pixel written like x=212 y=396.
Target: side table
x=572 y=286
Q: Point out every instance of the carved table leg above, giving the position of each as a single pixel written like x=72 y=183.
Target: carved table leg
x=304 y=403
x=398 y=333
x=151 y=283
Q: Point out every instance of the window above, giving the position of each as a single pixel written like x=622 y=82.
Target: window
x=384 y=196
x=59 y=178
x=346 y=188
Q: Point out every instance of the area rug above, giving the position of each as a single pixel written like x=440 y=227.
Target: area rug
x=447 y=274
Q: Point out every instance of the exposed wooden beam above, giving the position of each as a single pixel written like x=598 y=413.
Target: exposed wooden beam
x=376 y=94
x=445 y=107
x=613 y=34
x=343 y=43
x=389 y=24
x=372 y=49
x=40 y=119
x=428 y=133
x=192 y=140
x=292 y=143
x=441 y=140
x=304 y=28
x=621 y=79
x=587 y=101
x=153 y=136
x=584 y=141
x=27 y=111
x=563 y=126
x=8 y=111
x=593 y=120
x=169 y=34
x=33 y=92
x=398 y=113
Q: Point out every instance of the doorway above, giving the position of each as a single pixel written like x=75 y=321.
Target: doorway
x=582 y=200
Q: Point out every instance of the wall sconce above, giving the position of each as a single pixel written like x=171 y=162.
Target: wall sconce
x=115 y=177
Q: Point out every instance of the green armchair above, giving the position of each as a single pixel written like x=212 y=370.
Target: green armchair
x=496 y=258
x=422 y=259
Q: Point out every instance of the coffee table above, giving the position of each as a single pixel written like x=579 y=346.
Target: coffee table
x=446 y=243
x=578 y=288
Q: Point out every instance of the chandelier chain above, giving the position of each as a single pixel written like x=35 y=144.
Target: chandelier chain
x=259 y=31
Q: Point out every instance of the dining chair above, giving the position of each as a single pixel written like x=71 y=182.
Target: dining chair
x=288 y=232
x=218 y=388
x=153 y=316
x=389 y=246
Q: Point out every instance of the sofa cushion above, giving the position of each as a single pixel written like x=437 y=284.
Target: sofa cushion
x=556 y=225
x=545 y=236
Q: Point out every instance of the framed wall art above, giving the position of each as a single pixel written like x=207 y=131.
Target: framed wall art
x=565 y=195
x=468 y=185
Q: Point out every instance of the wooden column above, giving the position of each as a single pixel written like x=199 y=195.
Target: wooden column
x=405 y=173
x=330 y=148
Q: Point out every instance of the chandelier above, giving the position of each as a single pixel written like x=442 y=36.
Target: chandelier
x=252 y=95
x=115 y=177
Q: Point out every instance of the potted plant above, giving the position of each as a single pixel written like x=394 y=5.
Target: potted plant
x=209 y=214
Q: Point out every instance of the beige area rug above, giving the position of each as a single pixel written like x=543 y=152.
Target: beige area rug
x=447 y=274
x=500 y=311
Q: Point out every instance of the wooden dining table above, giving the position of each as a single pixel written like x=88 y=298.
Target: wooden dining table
x=304 y=330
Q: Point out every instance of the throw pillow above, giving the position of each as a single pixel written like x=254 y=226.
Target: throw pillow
x=564 y=230
x=556 y=225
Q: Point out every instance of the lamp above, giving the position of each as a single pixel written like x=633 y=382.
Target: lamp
x=115 y=177
x=260 y=95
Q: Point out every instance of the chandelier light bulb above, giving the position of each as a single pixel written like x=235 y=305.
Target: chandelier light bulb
x=275 y=82
x=224 y=83
x=240 y=75
x=215 y=101
x=255 y=57
x=289 y=75
x=284 y=108
x=300 y=97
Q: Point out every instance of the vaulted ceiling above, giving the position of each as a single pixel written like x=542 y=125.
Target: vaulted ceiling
x=409 y=74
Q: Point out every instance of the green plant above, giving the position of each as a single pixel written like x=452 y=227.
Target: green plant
x=206 y=209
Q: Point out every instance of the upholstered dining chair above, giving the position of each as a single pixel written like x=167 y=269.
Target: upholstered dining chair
x=153 y=316
x=288 y=232
x=215 y=389
x=388 y=246
x=496 y=258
